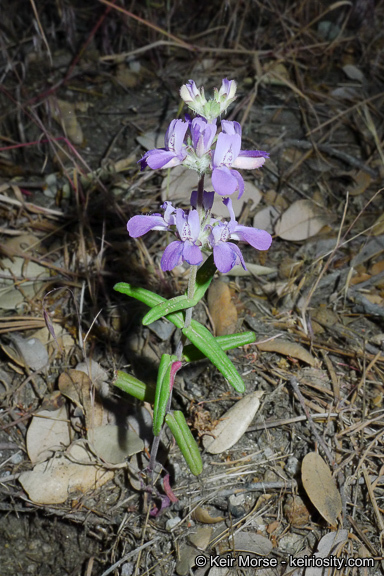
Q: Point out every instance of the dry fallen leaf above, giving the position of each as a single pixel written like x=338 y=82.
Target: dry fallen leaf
x=320 y=487
x=251 y=542
x=330 y=544
x=200 y=540
x=48 y=433
x=64 y=114
x=114 y=444
x=76 y=385
x=362 y=181
x=233 y=424
x=221 y=308
x=302 y=220
x=202 y=515
x=288 y=349
x=378 y=226
x=53 y=481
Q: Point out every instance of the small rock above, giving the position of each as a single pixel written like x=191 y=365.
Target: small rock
x=162 y=329
x=172 y=522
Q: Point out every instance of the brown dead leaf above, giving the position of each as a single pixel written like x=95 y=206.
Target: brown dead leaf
x=77 y=386
x=362 y=181
x=222 y=309
x=321 y=488
x=233 y=424
x=64 y=114
x=203 y=516
x=53 y=482
x=288 y=349
x=378 y=227
x=302 y=220
x=48 y=433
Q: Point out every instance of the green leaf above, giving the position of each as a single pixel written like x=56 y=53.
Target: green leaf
x=226 y=342
x=208 y=345
x=185 y=441
x=134 y=387
x=150 y=299
x=167 y=307
x=163 y=391
x=203 y=279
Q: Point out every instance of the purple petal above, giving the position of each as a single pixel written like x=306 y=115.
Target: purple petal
x=228 y=203
x=223 y=182
x=250 y=159
x=181 y=221
x=226 y=256
x=160 y=158
x=227 y=149
x=194 y=224
x=259 y=239
x=139 y=225
x=208 y=198
x=174 y=138
x=192 y=254
x=172 y=256
x=229 y=127
x=169 y=218
x=240 y=182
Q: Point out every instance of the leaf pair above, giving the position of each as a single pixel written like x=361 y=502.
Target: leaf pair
x=198 y=335
x=175 y=420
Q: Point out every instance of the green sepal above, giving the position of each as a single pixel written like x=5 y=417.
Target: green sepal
x=185 y=441
x=163 y=391
x=150 y=299
x=203 y=278
x=134 y=387
x=208 y=345
x=226 y=342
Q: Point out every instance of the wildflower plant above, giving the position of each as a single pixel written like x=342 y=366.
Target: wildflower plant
x=201 y=145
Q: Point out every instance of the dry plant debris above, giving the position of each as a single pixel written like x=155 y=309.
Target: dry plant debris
x=84 y=89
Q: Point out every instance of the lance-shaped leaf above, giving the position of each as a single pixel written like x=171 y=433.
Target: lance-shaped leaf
x=150 y=299
x=163 y=391
x=168 y=307
x=208 y=345
x=134 y=387
x=185 y=441
x=203 y=279
x=226 y=342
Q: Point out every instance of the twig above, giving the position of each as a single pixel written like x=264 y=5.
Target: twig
x=319 y=439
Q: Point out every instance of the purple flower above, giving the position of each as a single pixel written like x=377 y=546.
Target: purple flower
x=174 y=152
x=140 y=225
x=208 y=198
x=226 y=95
x=188 y=228
x=226 y=254
x=228 y=155
x=193 y=97
x=203 y=134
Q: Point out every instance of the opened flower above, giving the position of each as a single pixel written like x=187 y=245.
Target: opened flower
x=226 y=255
x=140 y=225
x=188 y=228
x=174 y=152
x=187 y=248
x=228 y=155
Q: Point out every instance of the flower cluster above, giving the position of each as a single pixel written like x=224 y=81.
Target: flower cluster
x=195 y=144
x=196 y=153
x=194 y=236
